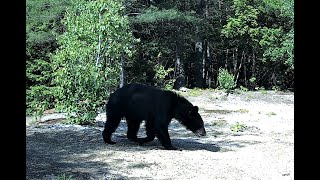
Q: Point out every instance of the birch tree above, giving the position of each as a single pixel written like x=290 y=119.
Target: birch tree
x=87 y=65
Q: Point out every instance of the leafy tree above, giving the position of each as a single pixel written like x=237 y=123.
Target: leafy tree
x=264 y=34
x=280 y=43
x=166 y=35
x=43 y=23
x=87 y=64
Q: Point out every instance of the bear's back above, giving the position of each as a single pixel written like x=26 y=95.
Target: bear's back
x=143 y=93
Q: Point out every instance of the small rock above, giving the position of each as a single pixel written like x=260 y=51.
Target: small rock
x=183 y=89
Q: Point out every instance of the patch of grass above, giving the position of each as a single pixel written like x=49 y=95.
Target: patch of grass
x=213 y=97
x=140 y=165
x=216 y=97
x=194 y=92
x=218 y=111
x=249 y=96
x=271 y=114
x=244 y=89
x=243 y=110
x=64 y=177
x=238 y=127
x=219 y=123
x=263 y=91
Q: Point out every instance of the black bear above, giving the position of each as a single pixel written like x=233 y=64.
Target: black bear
x=137 y=102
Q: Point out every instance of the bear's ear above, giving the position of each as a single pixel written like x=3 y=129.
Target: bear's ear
x=195 y=109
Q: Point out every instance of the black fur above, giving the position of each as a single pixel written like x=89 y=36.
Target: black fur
x=137 y=102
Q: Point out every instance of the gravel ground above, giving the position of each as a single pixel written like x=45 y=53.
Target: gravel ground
x=263 y=150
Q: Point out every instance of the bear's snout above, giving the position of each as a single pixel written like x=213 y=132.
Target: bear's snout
x=200 y=132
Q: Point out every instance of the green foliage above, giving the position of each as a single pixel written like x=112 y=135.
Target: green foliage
x=161 y=77
x=226 y=80
x=238 y=127
x=194 y=92
x=87 y=64
x=244 y=22
x=271 y=113
x=280 y=40
x=42 y=26
x=161 y=31
x=39 y=98
x=279 y=50
x=153 y=14
x=243 y=110
x=76 y=71
x=264 y=31
x=243 y=88
x=64 y=177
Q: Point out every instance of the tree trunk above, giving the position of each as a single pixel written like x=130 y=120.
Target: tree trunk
x=99 y=43
x=253 y=83
x=121 y=73
x=240 y=65
x=198 y=64
x=199 y=59
x=245 y=71
x=206 y=56
x=179 y=74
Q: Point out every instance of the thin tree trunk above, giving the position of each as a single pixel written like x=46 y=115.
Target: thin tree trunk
x=198 y=64
x=121 y=73
x=239 y=68
x=179 y=74
x=253 y=70
x=206 y=8
x=245 y=70
x=99 y=44
x=207 y=64
x=235 y=62
x=220 y=4
x=204 y=59
x=253 y=65
x=226 y=63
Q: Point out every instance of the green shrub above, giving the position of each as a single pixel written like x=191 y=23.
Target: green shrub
x=226 y=80
x=38 y=99
x=238 y=127
x=194 y=92
x=162 y=75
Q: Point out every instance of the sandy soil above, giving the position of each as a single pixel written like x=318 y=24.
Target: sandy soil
x=263 y=150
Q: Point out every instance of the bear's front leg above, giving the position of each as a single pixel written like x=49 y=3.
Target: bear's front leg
x=110 y=127
x=107 y=138
x=150 y=132
x=164 y=138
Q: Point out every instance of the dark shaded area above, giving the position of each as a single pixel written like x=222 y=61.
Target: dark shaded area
x=179 y=83
x=57 y=153
x=181 y=138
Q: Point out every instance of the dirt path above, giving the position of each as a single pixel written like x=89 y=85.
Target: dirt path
x=264 y=150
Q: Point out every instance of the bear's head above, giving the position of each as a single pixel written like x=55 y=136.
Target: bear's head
x=191 y=119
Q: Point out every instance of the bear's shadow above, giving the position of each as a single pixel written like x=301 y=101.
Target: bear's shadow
x=180 y=143
x=190 y=144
